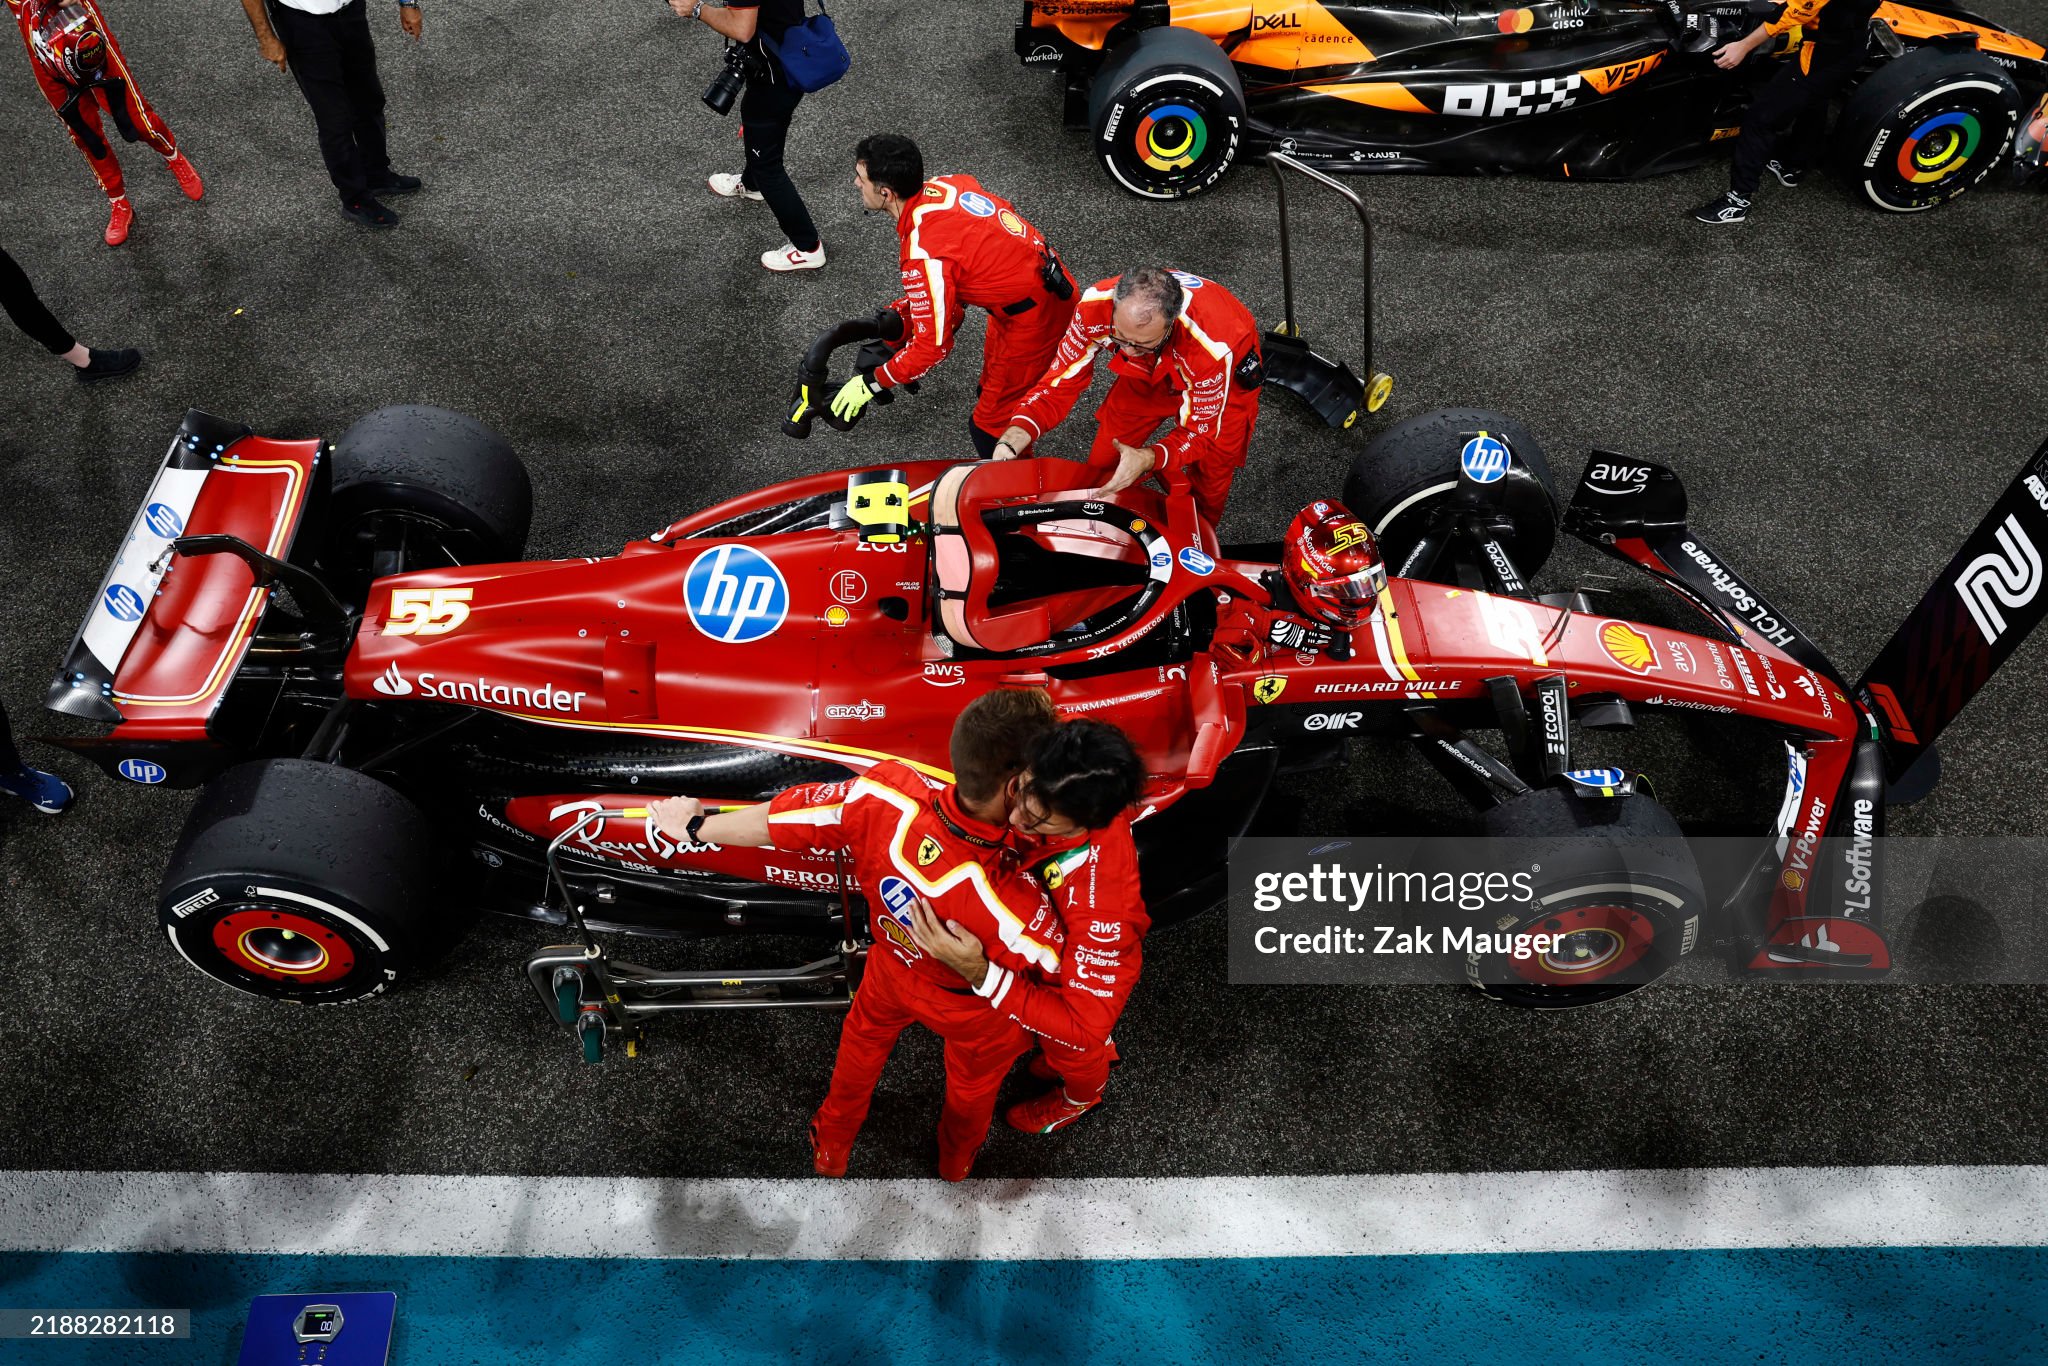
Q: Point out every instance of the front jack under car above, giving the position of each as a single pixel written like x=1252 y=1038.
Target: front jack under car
x=1330 y=387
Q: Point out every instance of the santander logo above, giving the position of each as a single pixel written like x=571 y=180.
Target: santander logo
x=392 y=683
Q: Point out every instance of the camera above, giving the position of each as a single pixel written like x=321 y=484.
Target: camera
x=725 y=88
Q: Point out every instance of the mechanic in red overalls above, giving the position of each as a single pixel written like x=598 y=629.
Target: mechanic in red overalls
x=907 y=840
x=961 y=246
x=81 y=70
x=1093 y=878
x=1184 y=352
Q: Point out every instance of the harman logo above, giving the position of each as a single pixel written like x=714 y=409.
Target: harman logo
x=735 y=594
x=1618 y=480
x=142 y=771
x=1484 y=460
x=392 y=683
x=2009 y=576
x=163 y=520
x=123 y=603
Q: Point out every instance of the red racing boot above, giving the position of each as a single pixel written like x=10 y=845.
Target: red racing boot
x=188 y=176
x=956 y=1166
x=118 y=219
x=826 y=1160
x=1048 y=1113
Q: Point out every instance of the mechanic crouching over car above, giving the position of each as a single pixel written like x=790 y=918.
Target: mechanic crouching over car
x=1073 y=799
x=961 y=246
x=953 y=846
x=1183 y=350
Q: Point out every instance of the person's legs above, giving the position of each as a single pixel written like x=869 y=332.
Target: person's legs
x=1834 y=62
x=1015 y=355
x=18 y=295
x=866 y=1039
x=314 y=50
x=1131 y=413
x=1083 y=1072
x=365 y=91
x=46 y=792
x=1777 y=105
x=765 y=111
x=978 y=1057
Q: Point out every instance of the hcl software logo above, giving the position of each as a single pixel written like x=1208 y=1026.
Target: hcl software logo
x=735 y=594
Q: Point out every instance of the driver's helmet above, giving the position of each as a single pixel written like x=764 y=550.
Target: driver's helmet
x=2030 y=145
x=69 y=41
x=1332 y=563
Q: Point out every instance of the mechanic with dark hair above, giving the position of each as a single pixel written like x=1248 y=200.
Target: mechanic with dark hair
x=1784 y=129
x=906 y=840
x=81 y=71
x=1184 y=351
x=326 y=45
x=18 y=297
x=1088 y=772
x=766 y=106
x=961 y=246
x=46 y=792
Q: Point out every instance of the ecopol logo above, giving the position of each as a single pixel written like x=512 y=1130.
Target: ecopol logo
x=735 y=594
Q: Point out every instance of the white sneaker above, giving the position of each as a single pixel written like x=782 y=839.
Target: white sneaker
x=728 y=185
x=787 y=257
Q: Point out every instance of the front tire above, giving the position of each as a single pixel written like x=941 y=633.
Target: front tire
x=1409 y=472
x=304 y=882
x=1617 y=883
x=1167 y=114
x=1925 y=128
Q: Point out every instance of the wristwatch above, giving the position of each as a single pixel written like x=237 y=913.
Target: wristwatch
x=696 y=824
x=697 y=9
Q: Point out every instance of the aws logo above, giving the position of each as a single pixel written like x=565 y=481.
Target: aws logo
x=1276 y=23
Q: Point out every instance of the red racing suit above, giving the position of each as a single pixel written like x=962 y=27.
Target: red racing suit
x=79 y=106
x=906 y=840
x=1206 y=380
x=964 y=246
x=1094 y=884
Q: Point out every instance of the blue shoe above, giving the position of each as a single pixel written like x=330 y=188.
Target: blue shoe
x=46 y=792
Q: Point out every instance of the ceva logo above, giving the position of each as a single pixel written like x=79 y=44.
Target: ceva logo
x=735 y=594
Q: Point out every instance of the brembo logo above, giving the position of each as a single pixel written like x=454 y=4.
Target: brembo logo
x=2009 y=576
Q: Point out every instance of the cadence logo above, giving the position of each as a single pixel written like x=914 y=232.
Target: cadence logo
x=735 y=594
x=2009 y=576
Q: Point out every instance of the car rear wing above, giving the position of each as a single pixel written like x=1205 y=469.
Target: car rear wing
x=173 y=617
x=1975 y=614
x=1635 y=510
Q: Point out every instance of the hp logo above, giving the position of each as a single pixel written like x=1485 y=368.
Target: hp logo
x=1196 y=561
x=141 y=771
x=1484 y=460
x=124 y=603
x=163 y=521
x=735 y=594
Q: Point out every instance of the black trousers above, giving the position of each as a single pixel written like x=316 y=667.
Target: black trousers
x=765 y=110
x=10 y=758
x=18 y=296
x=335 y=63
x=1789 y=120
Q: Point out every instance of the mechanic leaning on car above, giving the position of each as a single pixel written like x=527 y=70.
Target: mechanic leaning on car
x=961 y=245
x=952 y=846
x=1784 y=128
x=1093 y=878
x=1182 y=349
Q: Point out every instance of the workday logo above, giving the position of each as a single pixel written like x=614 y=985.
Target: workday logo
x=735 y=594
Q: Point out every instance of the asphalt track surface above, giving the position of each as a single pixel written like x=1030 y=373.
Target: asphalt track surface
x=1843 y=392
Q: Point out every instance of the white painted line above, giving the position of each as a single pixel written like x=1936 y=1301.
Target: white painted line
x=1320 y=1216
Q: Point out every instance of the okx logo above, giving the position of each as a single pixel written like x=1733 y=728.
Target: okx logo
x=2009 y=576
x=735 y=594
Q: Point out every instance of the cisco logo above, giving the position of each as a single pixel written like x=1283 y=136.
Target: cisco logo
x=735 y=594
x=142 y=771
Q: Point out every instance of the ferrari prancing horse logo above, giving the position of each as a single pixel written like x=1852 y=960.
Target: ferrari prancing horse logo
x=928 y=852
x=1268 y=689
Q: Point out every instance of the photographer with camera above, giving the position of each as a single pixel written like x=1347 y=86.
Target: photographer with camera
x=770 y=99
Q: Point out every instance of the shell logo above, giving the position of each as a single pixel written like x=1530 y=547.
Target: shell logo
x=1012 y=224
x=1628 y=647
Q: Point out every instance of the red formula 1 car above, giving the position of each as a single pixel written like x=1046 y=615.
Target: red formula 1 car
x=395 y=720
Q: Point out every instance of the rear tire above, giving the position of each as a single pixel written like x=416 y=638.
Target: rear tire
x=1167 y=114
x=1617 y=880
x=1925 y=128
x=304 y=882
x=450 y=487
x=1411 y=469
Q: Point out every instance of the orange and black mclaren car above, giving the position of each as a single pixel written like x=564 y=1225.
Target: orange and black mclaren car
x=1176 y=93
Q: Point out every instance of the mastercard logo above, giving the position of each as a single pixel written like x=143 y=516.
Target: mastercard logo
x=1517 y=20
x=1628 y=647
